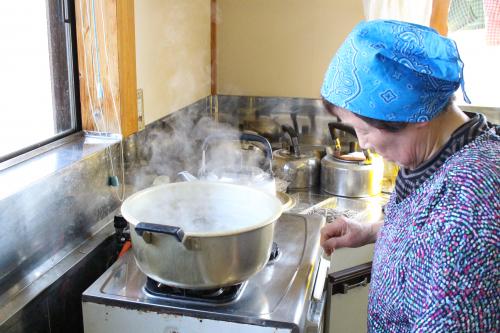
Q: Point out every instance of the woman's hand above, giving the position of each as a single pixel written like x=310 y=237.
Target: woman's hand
x=345 y=232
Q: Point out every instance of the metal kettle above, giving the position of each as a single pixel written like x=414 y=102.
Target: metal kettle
x=242 y=174
x=264 y=125
x=300 y=169
x=355 y=174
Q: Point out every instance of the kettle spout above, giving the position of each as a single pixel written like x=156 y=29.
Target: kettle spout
x=186 y=176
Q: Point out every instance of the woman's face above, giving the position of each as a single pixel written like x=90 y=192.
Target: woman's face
x=396 y=147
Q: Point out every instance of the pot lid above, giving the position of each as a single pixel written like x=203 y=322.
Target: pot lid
x=356 y=156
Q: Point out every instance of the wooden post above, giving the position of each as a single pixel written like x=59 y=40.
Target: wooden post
x=106 y=63
x=213 y=47
x=126 y=66
x=439 y=16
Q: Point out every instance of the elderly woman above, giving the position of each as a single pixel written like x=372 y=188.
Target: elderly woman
x=436 y=261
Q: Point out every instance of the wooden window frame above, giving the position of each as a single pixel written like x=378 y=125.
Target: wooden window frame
x=117 y=60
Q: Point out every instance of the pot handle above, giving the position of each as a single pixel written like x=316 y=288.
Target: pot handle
x=142 y=227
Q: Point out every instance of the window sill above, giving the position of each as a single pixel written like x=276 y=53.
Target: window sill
x=18 y=173
x=492 y=113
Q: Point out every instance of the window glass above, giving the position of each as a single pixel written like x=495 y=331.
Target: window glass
x=36 y=84
x=481 y=67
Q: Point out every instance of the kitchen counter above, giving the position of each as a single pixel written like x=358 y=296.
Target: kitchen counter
x=365 y=210
x=73 y=265
x=308 y=202
x=349 y=272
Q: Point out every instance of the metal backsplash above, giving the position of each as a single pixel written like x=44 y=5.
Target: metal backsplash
x=312 y=118
x=307 y=116
x=45 y=221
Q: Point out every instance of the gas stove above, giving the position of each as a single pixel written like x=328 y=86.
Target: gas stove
x=287 y=295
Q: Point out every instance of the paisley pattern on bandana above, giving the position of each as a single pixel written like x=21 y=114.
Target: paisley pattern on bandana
x=393 y=71
x=344 y=70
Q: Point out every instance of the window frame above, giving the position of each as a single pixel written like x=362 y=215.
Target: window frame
x=61 y=19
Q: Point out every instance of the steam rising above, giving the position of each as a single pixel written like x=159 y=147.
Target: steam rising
x=177 y=146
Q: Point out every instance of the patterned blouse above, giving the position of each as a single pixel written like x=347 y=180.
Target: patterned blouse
x=436 y=265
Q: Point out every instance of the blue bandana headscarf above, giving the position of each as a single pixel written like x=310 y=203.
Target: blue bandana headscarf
x=394 y=71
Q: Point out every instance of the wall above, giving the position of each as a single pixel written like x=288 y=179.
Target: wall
x=279 y=47
x=173 y=54
x=264 y=48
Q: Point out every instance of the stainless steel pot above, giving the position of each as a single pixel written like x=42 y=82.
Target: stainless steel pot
x=301 y=170
x=350 y=178
x=201 y=235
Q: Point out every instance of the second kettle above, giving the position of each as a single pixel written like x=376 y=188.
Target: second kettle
x=300 y=169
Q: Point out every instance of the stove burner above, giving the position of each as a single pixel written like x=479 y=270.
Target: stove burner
x=275 y=252
x=221 y=295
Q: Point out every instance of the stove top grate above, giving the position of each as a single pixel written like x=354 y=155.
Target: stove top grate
x=219 y=296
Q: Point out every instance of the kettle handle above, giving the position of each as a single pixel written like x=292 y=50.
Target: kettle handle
x=258 y=138
x=243 y=137
x=295 y=123
x=309 y=112
x=350 y=130
x=294 y=139
x=342 y=127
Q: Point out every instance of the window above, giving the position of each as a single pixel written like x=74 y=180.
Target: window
x=38 y=83
x=481 y=67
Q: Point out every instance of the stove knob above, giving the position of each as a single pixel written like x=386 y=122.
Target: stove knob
x=119 y=222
